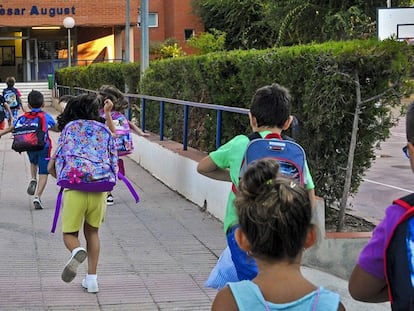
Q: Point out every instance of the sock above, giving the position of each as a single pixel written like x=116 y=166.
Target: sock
x=91 y=277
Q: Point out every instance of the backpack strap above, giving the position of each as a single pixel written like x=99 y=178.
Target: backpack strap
x=407 y=201
x=129 y=186
x=57 y=210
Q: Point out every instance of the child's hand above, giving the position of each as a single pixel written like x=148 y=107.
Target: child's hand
x=143 y=134
x=108 y=104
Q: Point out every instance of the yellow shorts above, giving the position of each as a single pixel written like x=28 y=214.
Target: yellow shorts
x=79 y=206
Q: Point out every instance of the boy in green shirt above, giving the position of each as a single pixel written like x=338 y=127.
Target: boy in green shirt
x=269 y=113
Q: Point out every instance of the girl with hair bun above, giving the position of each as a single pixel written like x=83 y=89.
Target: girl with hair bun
x=275 y=229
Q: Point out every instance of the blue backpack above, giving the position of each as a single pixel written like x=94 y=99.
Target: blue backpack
x=289 y=154
x=12 y=98
x=399 y=258
x=86 y=160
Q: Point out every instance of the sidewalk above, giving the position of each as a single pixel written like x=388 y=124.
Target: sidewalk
x=155 y=255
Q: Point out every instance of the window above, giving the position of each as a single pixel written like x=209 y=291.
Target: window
x=188 y=33
x=7 y=56
x=152 y=20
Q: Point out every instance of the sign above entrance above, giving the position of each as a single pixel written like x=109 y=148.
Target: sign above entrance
x=36 y=10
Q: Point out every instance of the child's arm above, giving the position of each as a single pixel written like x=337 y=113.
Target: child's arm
x=109 y=122
x=312 y=197
x=224 y=301
x=7 y=130
x=51 y=165
x=137 y=130
x=209 y=169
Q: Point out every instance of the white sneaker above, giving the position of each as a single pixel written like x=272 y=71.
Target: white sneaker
x=91 y=285
x=37 y=203
x=69 y=272
x=109 y=200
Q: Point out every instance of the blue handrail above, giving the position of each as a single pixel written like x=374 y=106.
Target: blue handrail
x=184 y=103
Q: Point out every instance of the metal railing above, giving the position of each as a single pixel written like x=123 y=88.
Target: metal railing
x=65 y=90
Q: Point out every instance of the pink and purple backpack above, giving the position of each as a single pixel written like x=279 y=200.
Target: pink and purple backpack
x=123 y=140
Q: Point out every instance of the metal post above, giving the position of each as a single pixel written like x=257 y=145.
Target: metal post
x=388 y=3
x=69 y=23
x=69 y=50
x=144 y=37
x=127 y=34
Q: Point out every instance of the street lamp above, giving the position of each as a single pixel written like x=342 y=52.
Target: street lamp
x=69 y=23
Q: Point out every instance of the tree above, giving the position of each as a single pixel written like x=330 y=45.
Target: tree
x=207 y=42
x=266 y=23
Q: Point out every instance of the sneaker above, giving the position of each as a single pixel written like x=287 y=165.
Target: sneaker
x=109 y=200
x=69 y=272
x=37 y=203
x=90 y=285
x=32 y=187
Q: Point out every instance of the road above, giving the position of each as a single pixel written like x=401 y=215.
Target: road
x=389 y=178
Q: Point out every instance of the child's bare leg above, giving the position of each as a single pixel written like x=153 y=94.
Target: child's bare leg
x=41 y=185
x=78 y=255
x=71 y=240
x=33 y=170
x=92 y=247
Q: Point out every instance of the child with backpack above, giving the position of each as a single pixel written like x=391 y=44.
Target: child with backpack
x=385 y=267
x=269 y=114
x=123 y=127
x=85 y=164
x=275 y=229
x=40 y=152
x=4 y=112
x=13 y=98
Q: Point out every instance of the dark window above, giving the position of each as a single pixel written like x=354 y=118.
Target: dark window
x=188 y=33
x=7 y=56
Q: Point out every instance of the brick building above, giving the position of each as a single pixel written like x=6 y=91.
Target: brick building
x=34 y=41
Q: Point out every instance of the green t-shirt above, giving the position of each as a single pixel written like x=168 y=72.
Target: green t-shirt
x=230 y=156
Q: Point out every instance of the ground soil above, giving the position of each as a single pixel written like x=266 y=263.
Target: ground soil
x=352 y=223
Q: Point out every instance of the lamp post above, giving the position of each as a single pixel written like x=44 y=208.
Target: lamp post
x=69 y=23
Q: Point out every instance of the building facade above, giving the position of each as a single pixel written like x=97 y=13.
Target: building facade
x=35 y=36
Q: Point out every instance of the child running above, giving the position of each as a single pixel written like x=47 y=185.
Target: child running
x=13 y=98
x=38 y=159
x=123 y=127
x=81 y=207
x=275 y=229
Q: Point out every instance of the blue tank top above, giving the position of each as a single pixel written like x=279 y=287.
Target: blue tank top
x=249 y=297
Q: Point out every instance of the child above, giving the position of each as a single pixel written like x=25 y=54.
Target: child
x=367 y=282
x=269 y=113
x=81 y=206
x=123 y=126
x=4 y=112
x=13 y=98
x=275 y=229
x=38 y=159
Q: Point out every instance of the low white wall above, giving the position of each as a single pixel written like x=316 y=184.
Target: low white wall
x=180 y=174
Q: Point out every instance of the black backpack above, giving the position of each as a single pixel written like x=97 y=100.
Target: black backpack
x=399 y=258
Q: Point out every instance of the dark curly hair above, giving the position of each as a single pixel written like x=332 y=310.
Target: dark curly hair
x=115 y=95
x=85 y=107
x=274 y=212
